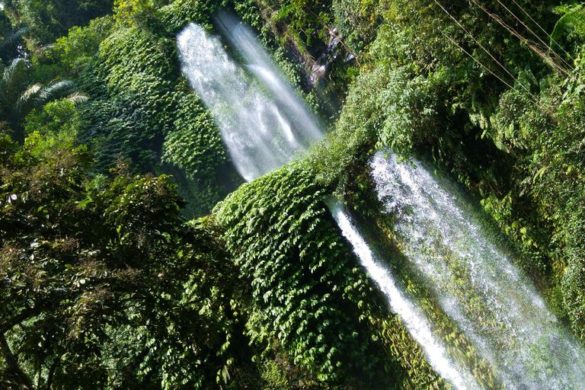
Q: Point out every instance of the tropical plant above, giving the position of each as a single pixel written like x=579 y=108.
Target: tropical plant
x=134 y=298
x=10 y=38
x=18 y=97
x=49 y=19
x=282 y=239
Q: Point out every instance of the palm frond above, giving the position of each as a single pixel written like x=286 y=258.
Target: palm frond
x=27 y=100
x=14 y=81
x=17 y=65
x=78 y=98
x=31 y=92
x=55 y=90
x=12 y=39
x=17 y=70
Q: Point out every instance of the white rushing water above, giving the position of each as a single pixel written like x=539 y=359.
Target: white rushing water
x=265 y=124
x=413 y=318
x=261 y=65
x=477 y=285
x=261 y=132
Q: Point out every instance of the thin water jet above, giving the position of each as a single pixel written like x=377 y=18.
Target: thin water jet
x=413 y=318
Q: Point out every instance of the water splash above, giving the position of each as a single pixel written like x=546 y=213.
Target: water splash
x=478 y=287
x=261 y=132
x=412 y=317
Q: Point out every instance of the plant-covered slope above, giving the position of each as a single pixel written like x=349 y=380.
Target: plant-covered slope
x=308 y=293
x=102 y=283
x=139 y=100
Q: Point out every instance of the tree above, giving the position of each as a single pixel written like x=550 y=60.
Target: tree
x=49 y=19
x=18 y=96
x=10 y=38
x=101 y=282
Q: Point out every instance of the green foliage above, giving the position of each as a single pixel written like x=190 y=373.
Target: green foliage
x=144 y=112
x=49 y=19
x=180 y=13
x=569 y=30
x=298 y=25
x=103 y=284
x=54 y=117
x=18 y=97
x=117 y=128
x=132 y=58
x=133 y=11
x=130 y=118
x=515 y=144
x=284 y=240
x=10 y=38
x=358 y=19
x=546 y=137
x=305 y=19
x=75 y=51
x=194 y=144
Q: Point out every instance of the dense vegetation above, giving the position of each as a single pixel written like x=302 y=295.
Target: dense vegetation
x=124 y=263
x=511 y=134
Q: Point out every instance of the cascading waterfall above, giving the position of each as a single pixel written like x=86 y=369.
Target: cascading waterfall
x=412 y=317
x=475 y=282
x=263 y=132
x=243 y=40
x=257 y=129
x=265 y=124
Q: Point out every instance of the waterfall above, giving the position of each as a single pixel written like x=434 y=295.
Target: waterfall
x=412 y=317
x=265 y=124
x=262 y=122
x=243 y=40
x=478 y=287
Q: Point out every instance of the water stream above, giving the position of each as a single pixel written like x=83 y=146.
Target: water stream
x=261 y=133
x=264 y=124
x=475 y=281
x=257 y=60
x=413 y=318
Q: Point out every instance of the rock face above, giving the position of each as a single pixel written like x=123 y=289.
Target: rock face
x=321 y=66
